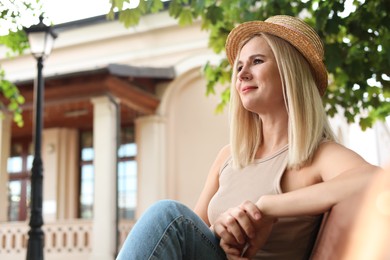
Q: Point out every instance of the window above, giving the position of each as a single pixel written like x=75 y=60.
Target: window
x=19 y=167
x=86 y=176
x=127 y=175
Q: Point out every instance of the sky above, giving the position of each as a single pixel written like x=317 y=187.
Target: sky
x=61 y=11
x=57 y=11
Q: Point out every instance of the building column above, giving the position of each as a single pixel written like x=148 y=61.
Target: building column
x=151 y=161
x=105 y=149
x=68 y=173
x=60 y=182
x=5 y=146
x=50 y=173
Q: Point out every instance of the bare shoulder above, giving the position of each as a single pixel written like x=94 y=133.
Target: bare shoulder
x=332 y=159
x=333 y=149
x=222 y=156
x=220 y=159
x=225 y=151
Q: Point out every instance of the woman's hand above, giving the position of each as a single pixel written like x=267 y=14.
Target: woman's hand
x=263 y=228
x=233 y=257
x=241 y=228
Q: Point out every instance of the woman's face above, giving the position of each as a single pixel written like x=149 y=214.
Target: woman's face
x=258 y=81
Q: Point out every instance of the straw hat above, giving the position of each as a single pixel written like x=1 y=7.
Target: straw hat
x=295 y=31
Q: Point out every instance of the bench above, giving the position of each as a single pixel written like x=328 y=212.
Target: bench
x=358 y=228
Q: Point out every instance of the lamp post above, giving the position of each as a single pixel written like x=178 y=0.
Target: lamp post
x=41 y=39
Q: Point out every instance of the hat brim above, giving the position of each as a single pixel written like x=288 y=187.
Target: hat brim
x=244 y=31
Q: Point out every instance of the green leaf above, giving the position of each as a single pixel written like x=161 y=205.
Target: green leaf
x=129 y=17
x=175 y=8
x=214 y=13
x=155 y=5
x=225 y=98
x=185 y=17
x=11 y=92
x=365 y=123
x=16 y=42
x=198 y=6
x=13 y=106
x=20 y=99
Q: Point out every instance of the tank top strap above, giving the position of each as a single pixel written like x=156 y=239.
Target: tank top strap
x=279 y=174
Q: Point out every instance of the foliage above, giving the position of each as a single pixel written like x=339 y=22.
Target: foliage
x=11 y=92
x=357 y=44
x=12 y=15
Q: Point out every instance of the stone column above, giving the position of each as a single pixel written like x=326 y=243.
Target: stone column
x=68 y=173
x=104 y=208
x=50 y=173
x=151 y=161
x=5 y=143
x=60 y=182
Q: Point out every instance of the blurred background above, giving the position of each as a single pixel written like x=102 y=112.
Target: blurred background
x=134 y=111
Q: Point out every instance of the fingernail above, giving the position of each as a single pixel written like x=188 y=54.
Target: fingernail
x=257 y=216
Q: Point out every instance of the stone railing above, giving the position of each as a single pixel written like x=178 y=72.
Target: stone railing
x=70 y=239
x=13 y=239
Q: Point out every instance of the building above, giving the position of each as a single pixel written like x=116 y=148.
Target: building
x=126 y=119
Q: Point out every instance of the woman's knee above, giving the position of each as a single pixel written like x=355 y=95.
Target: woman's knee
x=165 y=204
x=166 y=210
x=169 y=208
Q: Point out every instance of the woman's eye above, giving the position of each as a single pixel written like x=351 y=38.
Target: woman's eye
x=239 y=68
x=257 y=61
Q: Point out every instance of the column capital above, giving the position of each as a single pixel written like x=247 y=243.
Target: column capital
x=105 y=99
x=150 y=119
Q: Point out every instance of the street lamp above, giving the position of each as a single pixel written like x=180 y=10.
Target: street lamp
x=41 y=39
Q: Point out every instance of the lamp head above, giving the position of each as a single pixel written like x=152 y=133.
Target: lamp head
x=41 y=38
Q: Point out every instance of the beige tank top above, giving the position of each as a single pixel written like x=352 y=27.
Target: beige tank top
x=291 y=238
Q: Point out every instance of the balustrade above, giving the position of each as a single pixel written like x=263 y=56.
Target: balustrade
x=67 y=239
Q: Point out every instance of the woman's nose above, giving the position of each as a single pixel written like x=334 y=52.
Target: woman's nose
x=244 y=74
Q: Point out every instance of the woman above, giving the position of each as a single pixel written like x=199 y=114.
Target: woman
x=267 y=189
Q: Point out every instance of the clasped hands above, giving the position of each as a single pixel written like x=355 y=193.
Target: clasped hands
x=243 y=230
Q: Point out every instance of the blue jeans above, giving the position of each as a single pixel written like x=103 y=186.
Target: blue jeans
x=169 y=230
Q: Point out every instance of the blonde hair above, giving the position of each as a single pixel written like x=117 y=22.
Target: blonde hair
x=308 y=124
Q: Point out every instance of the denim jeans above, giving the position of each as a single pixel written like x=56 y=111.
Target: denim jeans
x=169 y=230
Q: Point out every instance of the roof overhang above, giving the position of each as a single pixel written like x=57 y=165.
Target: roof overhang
x=68 y=96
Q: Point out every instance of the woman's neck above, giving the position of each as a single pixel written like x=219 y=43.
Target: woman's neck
x=274 y=135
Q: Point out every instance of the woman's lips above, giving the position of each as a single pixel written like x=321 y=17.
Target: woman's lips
x=248 y=88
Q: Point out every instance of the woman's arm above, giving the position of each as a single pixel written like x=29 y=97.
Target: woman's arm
x=211 y=185
x=343 y=173
x=317 y=198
